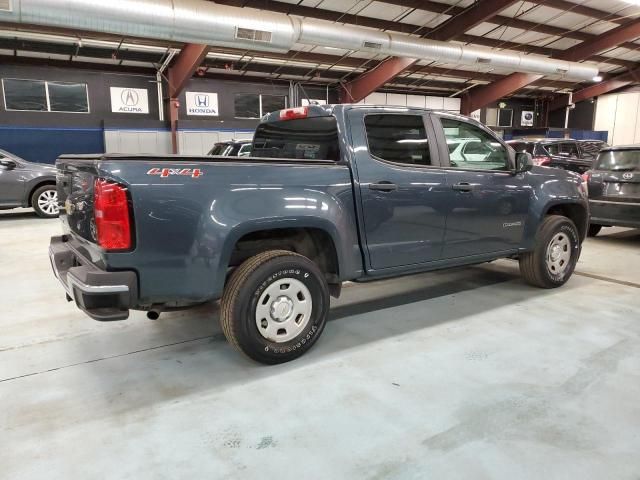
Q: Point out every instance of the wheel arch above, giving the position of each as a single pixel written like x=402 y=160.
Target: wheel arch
x=36 y=185
x=576 y=212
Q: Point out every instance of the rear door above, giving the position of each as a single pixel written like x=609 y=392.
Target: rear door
x=401 y=185
x=487 y=203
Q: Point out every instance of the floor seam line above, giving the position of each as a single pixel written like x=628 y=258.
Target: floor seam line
x=157 y=347
x=608 y=279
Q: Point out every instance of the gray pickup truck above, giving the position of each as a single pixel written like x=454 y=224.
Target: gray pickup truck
x=332 y=193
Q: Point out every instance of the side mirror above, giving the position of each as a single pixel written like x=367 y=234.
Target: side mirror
x=524 y=162
x=7 y=164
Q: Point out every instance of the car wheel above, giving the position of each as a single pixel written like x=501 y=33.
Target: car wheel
x=594 y=230
x=45 y=201
x=554 y=257
x=275 y=306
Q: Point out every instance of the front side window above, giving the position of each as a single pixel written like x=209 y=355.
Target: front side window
x=475 y=149
x=42 y=96
x=398 y=138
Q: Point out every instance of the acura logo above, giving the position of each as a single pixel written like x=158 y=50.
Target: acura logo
x=129 y=97
x=627 y=176
x=202 y=101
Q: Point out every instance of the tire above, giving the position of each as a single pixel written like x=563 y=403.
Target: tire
x=594 y=230
x=283 y=333
x=44 y=201
x=538 y=267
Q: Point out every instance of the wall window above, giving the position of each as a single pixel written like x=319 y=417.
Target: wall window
x=42 y=96
x=253 y=105
x=505 y=117
x=398 y=138
x=472 y=148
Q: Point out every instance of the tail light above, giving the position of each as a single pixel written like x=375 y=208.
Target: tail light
x=293 y=113
x=541 y=161
x=111 y=210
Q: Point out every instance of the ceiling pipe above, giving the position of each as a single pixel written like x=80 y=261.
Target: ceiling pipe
x=199 y=21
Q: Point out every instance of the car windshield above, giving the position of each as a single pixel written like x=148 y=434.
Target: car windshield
x=619 y=160
x=219 y=149
x=522 y=146
x=314 y=138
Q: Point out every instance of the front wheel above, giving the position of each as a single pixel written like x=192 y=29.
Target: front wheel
x=275 y=306
x=555 y=255
x=45 y=201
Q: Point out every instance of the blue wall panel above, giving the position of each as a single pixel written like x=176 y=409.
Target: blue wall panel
x=46 y=144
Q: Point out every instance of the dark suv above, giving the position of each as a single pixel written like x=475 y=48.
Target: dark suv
x=574 y=155
x=614 y=188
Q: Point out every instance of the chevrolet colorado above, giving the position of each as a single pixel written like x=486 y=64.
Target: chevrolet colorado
x=331 y=193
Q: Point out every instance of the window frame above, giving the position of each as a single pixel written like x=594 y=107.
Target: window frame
x=434 y=153
x=444 y=151
x=259 y=95
x=47 y=98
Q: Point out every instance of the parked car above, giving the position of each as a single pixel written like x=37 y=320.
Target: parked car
x=232 y=148
x=333 y=193
x=614 y=188
x=27 y=184
x=573 y=155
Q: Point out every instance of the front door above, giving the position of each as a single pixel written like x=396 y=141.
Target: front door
x=402 y=190
x=11 y=182
x=488 y=204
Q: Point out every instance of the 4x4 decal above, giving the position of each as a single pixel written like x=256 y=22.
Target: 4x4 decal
x=165 y=172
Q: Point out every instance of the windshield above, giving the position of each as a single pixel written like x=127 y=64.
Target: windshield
x=219 y=149
x=314 y=138
x=619 y=160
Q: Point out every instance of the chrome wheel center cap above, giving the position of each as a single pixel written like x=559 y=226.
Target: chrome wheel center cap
x=556 y=250
x=281 y=308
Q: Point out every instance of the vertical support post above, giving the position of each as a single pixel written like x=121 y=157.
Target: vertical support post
x=174 y=107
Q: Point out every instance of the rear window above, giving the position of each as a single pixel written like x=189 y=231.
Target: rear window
x=220 y=149
x=314 y=138
x=618 y=160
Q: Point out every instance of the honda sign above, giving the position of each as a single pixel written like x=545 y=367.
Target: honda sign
x=202 y=103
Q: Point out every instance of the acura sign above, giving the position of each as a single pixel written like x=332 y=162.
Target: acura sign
x=202 y=103
x=129 y=100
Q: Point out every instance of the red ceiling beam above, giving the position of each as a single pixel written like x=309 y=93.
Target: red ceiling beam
x=185 y=65
x=482 y=96
x=370 y=81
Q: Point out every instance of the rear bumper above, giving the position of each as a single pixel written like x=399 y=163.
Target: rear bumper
x=619 y=214
x=100 y=294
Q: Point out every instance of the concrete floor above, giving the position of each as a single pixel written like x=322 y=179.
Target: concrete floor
x=465 y=374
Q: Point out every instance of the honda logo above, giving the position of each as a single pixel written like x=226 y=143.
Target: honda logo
x=202 y=100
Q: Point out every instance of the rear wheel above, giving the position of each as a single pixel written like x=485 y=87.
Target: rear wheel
x=594 y=230
x=555 y=255
x=275 y=306
x=45 y=201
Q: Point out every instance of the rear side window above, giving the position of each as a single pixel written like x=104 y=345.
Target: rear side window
x=314 y=138
x=398 y=138
x=619 y=161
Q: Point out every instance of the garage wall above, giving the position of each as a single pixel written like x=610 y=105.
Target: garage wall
x=619 y=114
x=422 y=101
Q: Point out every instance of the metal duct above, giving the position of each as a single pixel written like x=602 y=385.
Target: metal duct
x=199 y=21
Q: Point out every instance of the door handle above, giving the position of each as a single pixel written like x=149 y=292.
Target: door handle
x=463 y=187
x=383 y=186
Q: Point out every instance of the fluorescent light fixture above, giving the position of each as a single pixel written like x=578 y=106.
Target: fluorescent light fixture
x=632 y=2
x=598 y=78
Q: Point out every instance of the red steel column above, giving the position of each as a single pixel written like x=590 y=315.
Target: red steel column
x=183 y=68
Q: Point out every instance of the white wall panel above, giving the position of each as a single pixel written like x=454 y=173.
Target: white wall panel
x=435 y=103
x=376 y=98
x=396 y=99
x=416 y=101
x=452 y=104
x=619 y=114
x=137 y=141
